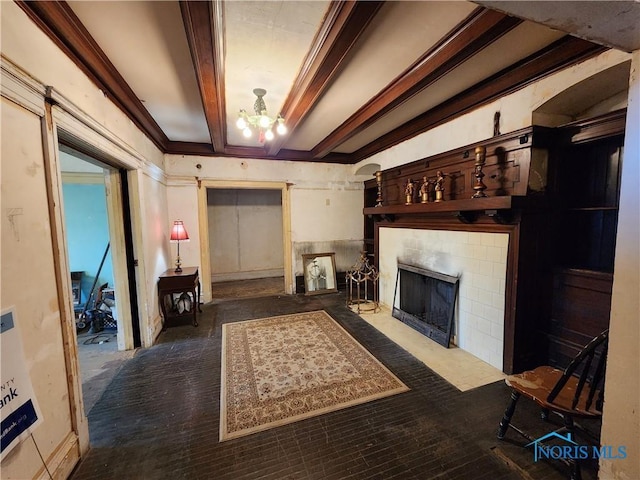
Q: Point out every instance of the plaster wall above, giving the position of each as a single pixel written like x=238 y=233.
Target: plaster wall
x=479 y=260
x=87 y=228
x=326 y=202
x=28 y=283
x=182 y=204
x=621 y=419
x=151 y=232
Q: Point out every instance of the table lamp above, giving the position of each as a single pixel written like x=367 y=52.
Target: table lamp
x=178 y=234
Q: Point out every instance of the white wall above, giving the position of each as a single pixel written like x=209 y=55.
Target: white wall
x=621 y=420
x=28 y=284
x=326 y=202
x=151 y=239
x=478 y=259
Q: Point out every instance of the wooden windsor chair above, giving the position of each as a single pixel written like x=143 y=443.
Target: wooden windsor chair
x=575 y=392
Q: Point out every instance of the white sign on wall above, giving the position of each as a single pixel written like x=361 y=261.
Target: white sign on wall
x=19 y=412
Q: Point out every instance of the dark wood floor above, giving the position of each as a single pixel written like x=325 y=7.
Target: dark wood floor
x=159 y=418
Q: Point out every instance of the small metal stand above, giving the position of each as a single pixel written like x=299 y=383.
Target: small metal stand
x=362 y=281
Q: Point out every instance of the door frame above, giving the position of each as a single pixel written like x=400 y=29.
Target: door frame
x=203 y=222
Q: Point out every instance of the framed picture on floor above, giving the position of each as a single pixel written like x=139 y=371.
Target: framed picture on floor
x=319 y=273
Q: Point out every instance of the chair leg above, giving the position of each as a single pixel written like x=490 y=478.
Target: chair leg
x=576 y=474
x=508 y=413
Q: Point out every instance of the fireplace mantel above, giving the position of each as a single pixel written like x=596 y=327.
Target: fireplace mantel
x=501 y=209
x=539 y=216
x=515 y=176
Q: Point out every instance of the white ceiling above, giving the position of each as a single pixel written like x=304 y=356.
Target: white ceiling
x=265 y=45
x=615 y=24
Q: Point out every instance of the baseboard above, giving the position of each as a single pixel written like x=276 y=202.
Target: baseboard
x=230 y=277
x=62 y=461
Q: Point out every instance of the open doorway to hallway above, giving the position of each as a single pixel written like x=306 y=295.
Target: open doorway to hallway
x=245 y=242
x=92 y=275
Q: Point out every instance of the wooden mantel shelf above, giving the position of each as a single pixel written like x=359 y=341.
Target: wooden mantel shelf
x=487 y=204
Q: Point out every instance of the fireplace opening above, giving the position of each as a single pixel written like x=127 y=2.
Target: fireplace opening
x=425 y=300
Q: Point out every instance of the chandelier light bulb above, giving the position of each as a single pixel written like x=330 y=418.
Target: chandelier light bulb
x=260 y=121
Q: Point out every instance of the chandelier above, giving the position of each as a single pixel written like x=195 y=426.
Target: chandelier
x=260 y=121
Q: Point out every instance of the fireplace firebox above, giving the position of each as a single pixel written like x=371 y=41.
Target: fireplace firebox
x=425 y=300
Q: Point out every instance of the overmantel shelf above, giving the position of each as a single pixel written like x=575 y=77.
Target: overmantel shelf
x=498 y=178
x=499 y=207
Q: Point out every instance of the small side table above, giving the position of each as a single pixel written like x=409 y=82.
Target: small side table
x=179 y=295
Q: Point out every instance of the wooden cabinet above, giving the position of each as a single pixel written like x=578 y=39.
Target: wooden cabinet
x=588 y=177
x=370 y=195
x=585 y=182
x=179 y=295
x=580 y=311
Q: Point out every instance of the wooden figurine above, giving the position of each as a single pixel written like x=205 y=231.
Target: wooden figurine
x=408 y=191
x=439 y=188
x=378 y=175
x=424 y=190
x=479 y=187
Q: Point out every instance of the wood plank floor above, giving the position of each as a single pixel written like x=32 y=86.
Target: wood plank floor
x=159 y=417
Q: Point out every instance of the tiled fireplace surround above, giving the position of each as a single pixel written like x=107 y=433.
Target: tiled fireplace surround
x=478 y=258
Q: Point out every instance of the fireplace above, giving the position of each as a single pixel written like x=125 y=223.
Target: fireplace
x=425 y=300
x=478 y=259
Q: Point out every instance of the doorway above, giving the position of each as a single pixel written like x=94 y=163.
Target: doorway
x=245 y=242
x=240 y=195
x=101 y=344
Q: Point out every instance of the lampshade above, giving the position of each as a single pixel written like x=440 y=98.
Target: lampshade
x=178 y=232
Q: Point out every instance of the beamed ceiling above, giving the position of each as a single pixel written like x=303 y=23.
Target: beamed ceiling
x=350 y=78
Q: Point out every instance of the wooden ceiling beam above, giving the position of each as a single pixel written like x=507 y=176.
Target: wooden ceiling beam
x=254 y=153
x=343 y=25
x=64 y=28
x=561 y=54
x=478 y=30
x=203 y=24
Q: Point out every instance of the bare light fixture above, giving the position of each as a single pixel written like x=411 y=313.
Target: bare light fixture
x=260 y=121
x=178 y=234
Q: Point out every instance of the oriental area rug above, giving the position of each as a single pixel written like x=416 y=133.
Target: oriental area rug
x=279 y=370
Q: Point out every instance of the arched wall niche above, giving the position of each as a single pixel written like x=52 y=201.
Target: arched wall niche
x=368 y=169
x=601 y=93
